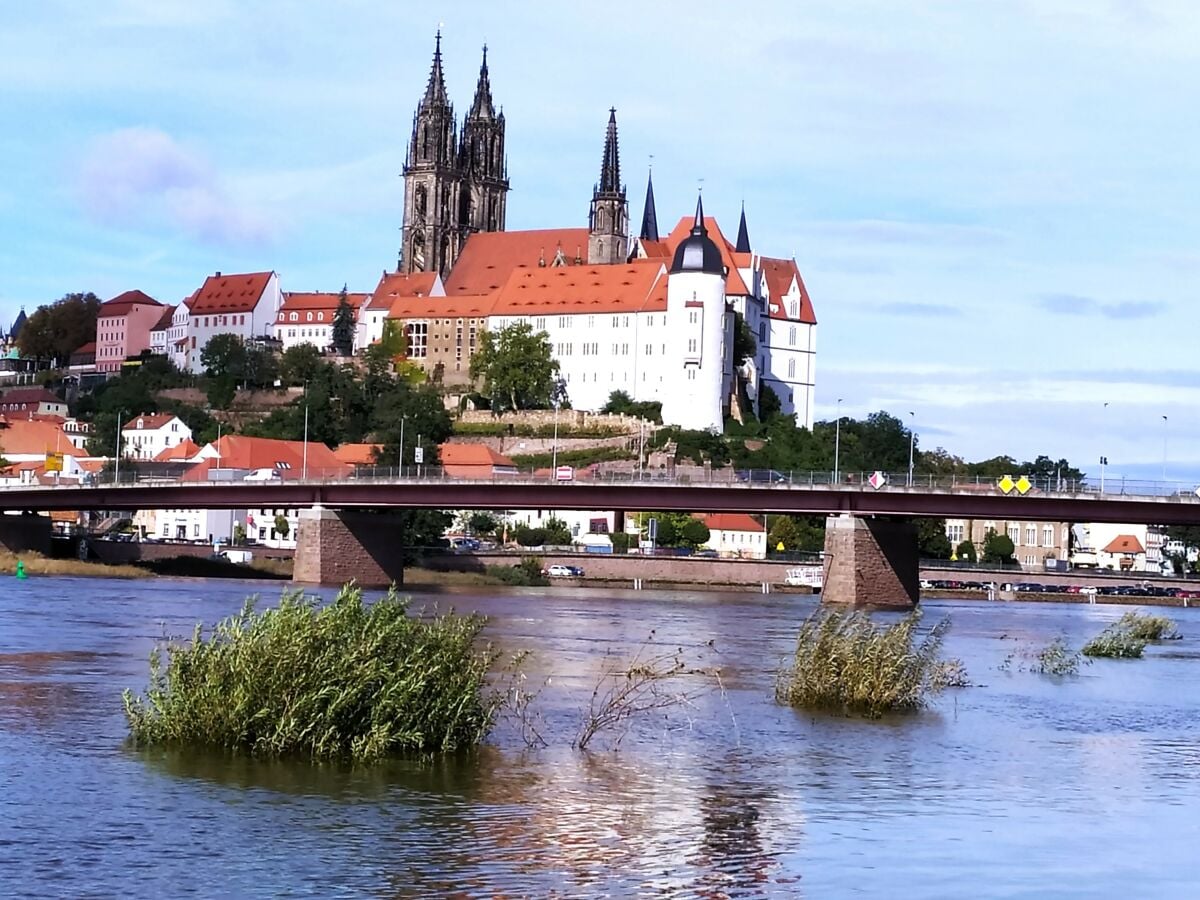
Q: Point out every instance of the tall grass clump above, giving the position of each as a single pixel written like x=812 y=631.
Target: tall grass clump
x=343 y=680
x=845 y=662
x=1128 y=636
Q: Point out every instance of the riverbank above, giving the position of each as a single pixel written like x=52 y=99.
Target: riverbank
x=1067 y=598
x=36 y=564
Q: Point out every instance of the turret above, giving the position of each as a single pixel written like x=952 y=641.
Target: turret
x=608 y=220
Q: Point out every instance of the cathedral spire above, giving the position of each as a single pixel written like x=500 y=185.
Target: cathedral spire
x=610 y=168
x=698 y=225
x=482 y=107
x=435 y=90
x=649 y=217
x=743 y=238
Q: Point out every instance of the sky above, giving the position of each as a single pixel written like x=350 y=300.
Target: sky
x=992 y=203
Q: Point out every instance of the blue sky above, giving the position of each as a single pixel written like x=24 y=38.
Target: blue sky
x=992 y=203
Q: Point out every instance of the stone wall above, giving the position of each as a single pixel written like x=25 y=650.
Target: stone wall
x=871 y=562
x=336 y=547
x=524 y=446
x=567 y=419
x=119 y=552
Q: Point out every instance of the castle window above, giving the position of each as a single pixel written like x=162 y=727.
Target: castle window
x=540 y=324
x=418 y=339
x=792 y=368
x=792 y=336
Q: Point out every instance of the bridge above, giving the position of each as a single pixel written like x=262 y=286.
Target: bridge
x=868 y=554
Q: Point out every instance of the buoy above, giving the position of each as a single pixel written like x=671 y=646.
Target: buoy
x=21 y=569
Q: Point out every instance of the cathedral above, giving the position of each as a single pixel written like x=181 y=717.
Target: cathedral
x=657 y=317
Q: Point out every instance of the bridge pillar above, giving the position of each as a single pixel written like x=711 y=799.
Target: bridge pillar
x=871 y=562
x=333 y=547
x=24 y=533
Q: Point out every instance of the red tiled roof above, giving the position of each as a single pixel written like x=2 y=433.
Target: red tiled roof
x=1125 y=543
x=298 y=302
x=147 y=422
x=287 y=457
x=29 y=395
x=357 y=454
x=472 y=455
x=584 y=289
x=779 y=274
x=89 y=347
x=488 y=257
x=467 y=306
x=398 y=284
x=731 y=521
x=164 y=321
x=123 y=303
x=733 y=281
x=655 y=249
x=230 y=293
x=182 y=451
x=28 y=437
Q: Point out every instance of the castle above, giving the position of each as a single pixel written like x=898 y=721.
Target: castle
x=653 y=316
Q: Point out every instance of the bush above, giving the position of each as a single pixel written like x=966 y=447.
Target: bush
x=1146 y=627
x=1128 y=636
x=338 y=681
x=844 y=662
x=1056 y=658
x=966 y=552
x=526 y=573
x=622 y=541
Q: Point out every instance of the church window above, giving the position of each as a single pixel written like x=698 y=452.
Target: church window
x=691 y=373
x=792 y=336
x=626 y=322
x=795 y=305
x=792 y=368
x=649 y=349
x=564 y=321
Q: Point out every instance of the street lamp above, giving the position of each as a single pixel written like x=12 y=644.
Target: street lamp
x=837 y=444
x=558 y=397
x=403 y=419
x=117 y=469
x=1103 y=463
x=304 y=455
x=218 y=444
x=1164 y=469
x=912 y=435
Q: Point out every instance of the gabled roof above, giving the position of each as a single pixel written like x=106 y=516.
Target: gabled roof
x=294 y=301
x=121 y=304
x=29 y=395
x=357 y=454
x=780 y=274
x=237 y=451
x=230 y=293
x=1125 y=543
x=181 y=452
x=583 y=289
x=147 y=422
x=164 y=321
x=473 y=455
x=734 y=284
x=489 y=257
x=393 y=285
x=731 y=521
x=34 y=437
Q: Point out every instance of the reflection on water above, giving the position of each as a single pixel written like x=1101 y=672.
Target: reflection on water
x=1025 y=786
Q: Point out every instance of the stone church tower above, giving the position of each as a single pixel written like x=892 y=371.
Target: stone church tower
x=451 y=188
x=608 y=221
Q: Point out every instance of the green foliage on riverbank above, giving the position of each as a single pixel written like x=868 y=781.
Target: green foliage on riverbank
x=1128 y=636
x=526 y=573
x=343 y=680
x=845 y=662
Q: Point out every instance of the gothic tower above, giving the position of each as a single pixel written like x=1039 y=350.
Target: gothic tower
x=431 y=233
x=608 y=222
x=482 y=163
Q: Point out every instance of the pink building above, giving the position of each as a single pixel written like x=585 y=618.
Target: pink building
x=123 y=328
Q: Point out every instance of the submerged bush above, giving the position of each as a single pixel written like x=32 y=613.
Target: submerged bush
x=1128 y=636
x=1056 y=658
x=846 y=663
x=340 y=680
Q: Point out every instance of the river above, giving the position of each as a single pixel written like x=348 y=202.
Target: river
x=1023 y=786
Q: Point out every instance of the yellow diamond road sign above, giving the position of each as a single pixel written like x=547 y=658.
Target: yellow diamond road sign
x=1023 y=485
x=1006 y=484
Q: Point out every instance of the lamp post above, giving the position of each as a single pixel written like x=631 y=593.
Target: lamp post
x=117 y=454
x=304 y=454
x=403 y=419
x=912 y=436
x=1103 y=463
x=837 y=444
x=558 y=395
x=218 y=445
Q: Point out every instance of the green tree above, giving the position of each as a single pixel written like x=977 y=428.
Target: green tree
x=769 y=405
x=262 y=368
x=998 y=548
x=55 y=331
x=299 y=364
x=224 y=355
x=343 y=326
x=744 y=344
x=694 y=533
x=516 y=368
x=798 y=534
x=557 y=532
x=418 y=413
x=932 y=542
x=966 y=552
x=482 y=522
x=282 y=526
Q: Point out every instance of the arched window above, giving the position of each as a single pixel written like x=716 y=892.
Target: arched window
x=295 y=317
x=309 y=317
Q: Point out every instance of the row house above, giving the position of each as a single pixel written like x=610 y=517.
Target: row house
x=123 y=326
x=34 y=401
x=307 y=318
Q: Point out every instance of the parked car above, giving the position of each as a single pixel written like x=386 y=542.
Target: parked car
x=558 y=571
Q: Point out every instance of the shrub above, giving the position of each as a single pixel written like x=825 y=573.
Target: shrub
x=1128 y=636
x=1056 y=658
x=1146 y=627
x=526 y=573
x=846 y=663
x=343 y=680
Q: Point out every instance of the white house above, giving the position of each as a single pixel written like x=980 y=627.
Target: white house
x=177 y=335
x=244 y=305
x=393 y=286
x=736 y=534
x=146 y=436
x=308 y=318
x=160 y=332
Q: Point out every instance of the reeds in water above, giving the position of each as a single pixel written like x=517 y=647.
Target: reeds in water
x=1128 y=636
x=343 y=680
x=846 y=662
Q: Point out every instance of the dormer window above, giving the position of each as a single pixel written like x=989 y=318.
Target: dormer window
x=320 y=317
x=309 y=317
x=295 y=317
x=141 y=423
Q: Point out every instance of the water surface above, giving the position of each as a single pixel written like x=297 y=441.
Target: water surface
x=1024 y=786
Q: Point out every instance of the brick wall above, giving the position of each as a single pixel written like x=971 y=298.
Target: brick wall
x=336 y=547
x=871 y=562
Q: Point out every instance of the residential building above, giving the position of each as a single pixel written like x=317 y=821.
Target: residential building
x=32 y=401
x=1033 y=542
x=28 y=443
x=178 y=342
x=160 y=333
x=1127 y=547
x=308 y=318
x=244 y=305
x=474 y=461
x=392 y=288
x=123 y=326
x=736 y=534
x=146 y=436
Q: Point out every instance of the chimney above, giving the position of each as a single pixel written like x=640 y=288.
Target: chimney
x=218 y=275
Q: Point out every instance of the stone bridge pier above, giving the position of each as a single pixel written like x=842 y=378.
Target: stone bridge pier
x=26 y=532
x=871 y=562
x=335 y=546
